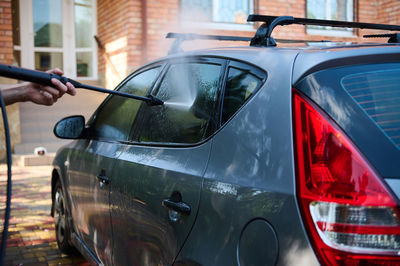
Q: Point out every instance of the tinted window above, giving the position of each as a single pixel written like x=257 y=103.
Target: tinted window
x=116 y=116
x=364 y=101
x=378 y=94
x=240 y=85
x=189 y=92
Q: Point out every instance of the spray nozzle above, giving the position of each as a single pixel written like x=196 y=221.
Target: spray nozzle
x=154 y=100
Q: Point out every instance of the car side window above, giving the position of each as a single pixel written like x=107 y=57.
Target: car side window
x=115 y=118
x=242 y=82
x=190 y=94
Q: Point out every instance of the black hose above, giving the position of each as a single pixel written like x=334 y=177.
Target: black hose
x=9 y=189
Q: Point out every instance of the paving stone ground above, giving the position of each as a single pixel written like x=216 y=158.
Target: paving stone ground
x=31 y=238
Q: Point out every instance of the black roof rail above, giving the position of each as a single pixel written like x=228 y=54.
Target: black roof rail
x=393 y=38
x=263 y=34
x=195 y=36
x=181 y=37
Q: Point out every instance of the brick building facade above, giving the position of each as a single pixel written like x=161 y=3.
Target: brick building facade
x=6 y=41
x=131 y=33
x=145 y=24
x=6 y=57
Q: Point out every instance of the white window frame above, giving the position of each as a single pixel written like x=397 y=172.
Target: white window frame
x=331 y=31
x=220 y=25
x=28 y=49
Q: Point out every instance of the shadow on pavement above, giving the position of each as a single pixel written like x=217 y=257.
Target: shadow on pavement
x=31 y=238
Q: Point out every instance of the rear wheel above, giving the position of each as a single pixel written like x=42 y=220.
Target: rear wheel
x=63 y=231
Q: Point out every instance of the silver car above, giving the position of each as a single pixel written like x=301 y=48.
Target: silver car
x=259 y=155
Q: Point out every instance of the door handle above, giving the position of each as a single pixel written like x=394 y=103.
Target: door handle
x=103 y=178
x=179 y=206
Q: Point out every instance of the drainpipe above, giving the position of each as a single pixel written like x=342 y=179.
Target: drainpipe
x=144 y=31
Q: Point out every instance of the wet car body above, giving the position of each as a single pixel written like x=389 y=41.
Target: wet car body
x=238 y=179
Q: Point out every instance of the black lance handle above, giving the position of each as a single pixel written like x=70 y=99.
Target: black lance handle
x=44 y=78
x=35 y=76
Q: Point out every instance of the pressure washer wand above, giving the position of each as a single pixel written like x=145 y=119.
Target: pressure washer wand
x=44 y=79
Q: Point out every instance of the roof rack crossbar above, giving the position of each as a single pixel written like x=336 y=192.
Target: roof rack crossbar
x=263 y=34
x=180 y=37
x=331 y=23
x=393 y=37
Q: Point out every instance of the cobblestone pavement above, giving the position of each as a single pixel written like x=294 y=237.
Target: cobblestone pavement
x=31 y=238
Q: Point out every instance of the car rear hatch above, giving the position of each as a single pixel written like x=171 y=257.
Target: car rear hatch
x=347 y=143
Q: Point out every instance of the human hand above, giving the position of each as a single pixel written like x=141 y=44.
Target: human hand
x=46 y=95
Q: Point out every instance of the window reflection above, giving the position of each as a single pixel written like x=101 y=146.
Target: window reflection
x=48 y=60
x=240 y=86
x=83 y=24
x=114 y=121
x=377 y=92
x=84 y=66
x=225 y=11
x=47 y=23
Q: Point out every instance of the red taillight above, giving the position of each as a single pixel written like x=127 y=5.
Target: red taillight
x=350 y=215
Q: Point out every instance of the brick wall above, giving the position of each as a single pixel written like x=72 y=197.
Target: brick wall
x=388 y=12
x=6 y=57
x=379 y=11
x=6 y=42
x=119 y=31
x=144 y=24
x=367 y=12
x=162 y=17
x=295 y=8
x=132 y=33
x=111 y=30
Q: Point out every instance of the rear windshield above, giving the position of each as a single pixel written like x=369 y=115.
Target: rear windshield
x=378 y=94
x=364 y=100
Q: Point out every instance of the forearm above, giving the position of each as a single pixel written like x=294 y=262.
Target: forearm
x=44 y=95
x=14 y=93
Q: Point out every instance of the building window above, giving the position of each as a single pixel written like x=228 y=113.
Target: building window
x=56 y=33
x=48 y=37
x=342 y=10
x=221 y=11
x=84 y=41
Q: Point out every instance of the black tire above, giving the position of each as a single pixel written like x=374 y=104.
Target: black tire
x=63 y=232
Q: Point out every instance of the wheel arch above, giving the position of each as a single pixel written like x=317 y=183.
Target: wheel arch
x=55 y=176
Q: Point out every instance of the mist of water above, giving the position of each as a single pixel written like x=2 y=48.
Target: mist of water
x=181 y=87
x=179 y=105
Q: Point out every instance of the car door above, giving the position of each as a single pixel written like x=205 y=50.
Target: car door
x=93 y=159
x=157 y=179
x=233 y=202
